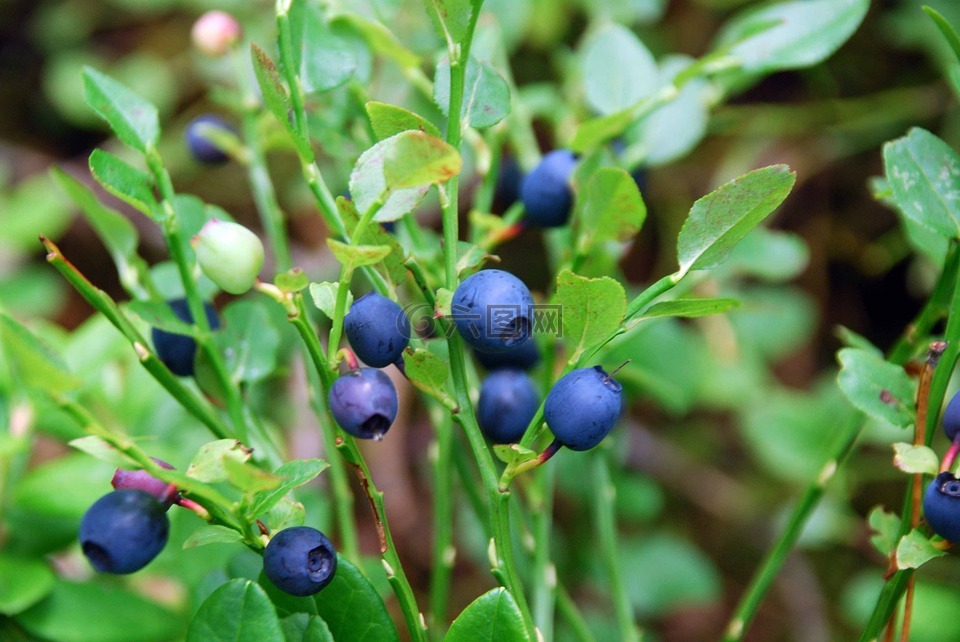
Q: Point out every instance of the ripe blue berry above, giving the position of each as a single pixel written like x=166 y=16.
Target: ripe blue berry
x=941 y=506
x=493 y=311
x=583 y=407
x=165 y=493
x=176 y=351
x=300 y=560
x=524 y=355
x=200 y=146
x=378 y=329
x=546 y=194
x=951 y=417
x=123 y=531
x=508 y=184
x=508 y=401
x=364 y=403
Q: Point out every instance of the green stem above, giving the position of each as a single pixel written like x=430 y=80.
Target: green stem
x=568 y=610
x=343 y=496
x=603 y=502
x=175 y=244
x=264 y=195
x=348 y=450
x=773 y=561
x=444 y=551
x=544 y=571
x=102 y=302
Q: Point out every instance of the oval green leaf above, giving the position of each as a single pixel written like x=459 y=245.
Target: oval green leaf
x=125 y=182
x=492 y=617
x=879 y=388
x=486 y=95
x=591 y=310
x=131 y=117
x=720 y=219
x=608 y=87
x=24 y=581
x=238 y=611
x=388 y=120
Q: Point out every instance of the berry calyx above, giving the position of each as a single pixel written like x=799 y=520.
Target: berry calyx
x=123 y=531
x=300 y=561
x=364 y=403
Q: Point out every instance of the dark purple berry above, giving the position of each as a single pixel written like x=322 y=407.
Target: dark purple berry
x=508 y=401
x=364 y=403
x=300 y=561
x=493 y=311
x=941 y=506
x=583 y=407
x=951 y=417
x=378 y=329
x=546 y=194
x=200 y=146
x=176 y=351
x=524 y=355
x=123 y=531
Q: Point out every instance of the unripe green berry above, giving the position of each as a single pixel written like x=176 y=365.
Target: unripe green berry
x=215 y=32
x=229 y=254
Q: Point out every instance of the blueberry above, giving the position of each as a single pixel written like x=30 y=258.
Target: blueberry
x=546 y=194
x=493 y=311
x=951 y=417
x=201 y=147
x=165 y=493
x=123 y=531
x=300 y=560
x=364 y=403
x=508 y=184
x=176 y=351
x=524 y=355
x=508 y=401
x=378 y=329
x=941 y=506
x=229 y=254
x=583 y=407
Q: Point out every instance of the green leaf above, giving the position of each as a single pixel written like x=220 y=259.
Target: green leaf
x=719 y=220
x=125 y=182
x=949 y=33
x=915 y=459
x=332 y=54
x=160 y=315
x=285 y=514
x=34 y=364
x=924 y=173
x=301 y=627
x=393 y=266
x=97 y=447
x=238 y=611
x=886 y=530
x=608 y=87
x=247 y=478
x=915 y=550
x=117 y=233
x=514 y=454
x=133 y=119
x=207 y=465
x=486 y=95
x=350 y=605
x=595 y=131
x=212 y=534
x=293 y=280
x=276 y=98
x=690 y=308
x=293 y=474
x=325 y=297
x=879 y=388
x=24 y=581
x=609 y=208
x=249 y=340
x=92 y=612
x=415 y=158
x=790 y=35
x=369 y=188
x=388 y=120
x=381 y=40
x=357 y=255
x=591 y=310
x=450 y=18
x=428 y=373
x=492 y=617
x=771 y=255
x=470 y=258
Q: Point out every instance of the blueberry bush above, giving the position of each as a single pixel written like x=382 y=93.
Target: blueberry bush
x=463 y=320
